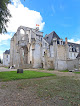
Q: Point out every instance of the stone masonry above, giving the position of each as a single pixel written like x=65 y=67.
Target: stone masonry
x=29 y=49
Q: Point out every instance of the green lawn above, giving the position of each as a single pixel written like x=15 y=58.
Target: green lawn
x=77 y=72
x=6 y=67
x=64 y=71
x=13 y=75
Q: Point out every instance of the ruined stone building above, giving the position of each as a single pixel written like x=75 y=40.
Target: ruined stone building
x=6 y=58
x=29 y=49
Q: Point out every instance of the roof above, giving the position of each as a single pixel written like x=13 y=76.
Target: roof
x=74 y=45
x=50 y=37
x=7 y=51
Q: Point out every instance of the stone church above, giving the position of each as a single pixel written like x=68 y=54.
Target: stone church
x=29 y=49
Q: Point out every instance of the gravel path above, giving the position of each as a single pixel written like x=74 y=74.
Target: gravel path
x=6 y=69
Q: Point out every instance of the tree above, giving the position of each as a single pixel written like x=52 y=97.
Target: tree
x=4 y=15
x=0 y=60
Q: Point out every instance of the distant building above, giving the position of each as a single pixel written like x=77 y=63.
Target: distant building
x=6 y=58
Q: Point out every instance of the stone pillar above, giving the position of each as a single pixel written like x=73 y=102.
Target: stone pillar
x=11 y=52
x=67 y=49
x=55 y=53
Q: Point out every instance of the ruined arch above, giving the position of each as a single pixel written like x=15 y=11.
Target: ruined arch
x=22 y=32
x=24 y=52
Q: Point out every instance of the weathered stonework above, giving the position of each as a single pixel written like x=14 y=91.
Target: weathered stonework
x=31 y=50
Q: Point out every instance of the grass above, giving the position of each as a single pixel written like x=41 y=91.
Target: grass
x=55 y=90
x=6 y=67
x=62 y=88
x=65 y=91
x=46 y=69
x=13 y=75
x=77 y=72
x=50 y=69
x=41 y=68
x=64 y=70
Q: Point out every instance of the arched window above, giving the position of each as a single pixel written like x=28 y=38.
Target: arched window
x=22 y=31
x=77 y=49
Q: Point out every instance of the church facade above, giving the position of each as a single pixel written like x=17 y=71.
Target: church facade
x=29 y=49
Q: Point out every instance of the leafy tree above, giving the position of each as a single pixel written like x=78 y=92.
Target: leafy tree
x=0 y=60
x=4 y=15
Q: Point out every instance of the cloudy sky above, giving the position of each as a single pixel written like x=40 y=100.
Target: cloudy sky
x=61 y=16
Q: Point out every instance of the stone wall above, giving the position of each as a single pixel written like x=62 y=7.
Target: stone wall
x=61 y=52
x=29 y=49
x=62 y=65
x=72 y=64
x=26 y=48
x=68 y=64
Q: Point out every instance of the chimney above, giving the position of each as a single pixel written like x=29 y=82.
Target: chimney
x=37 y=28
x=66 y=41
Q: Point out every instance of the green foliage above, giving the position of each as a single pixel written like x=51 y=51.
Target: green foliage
x=4 y=15
x=13 y=75
x=0 y=60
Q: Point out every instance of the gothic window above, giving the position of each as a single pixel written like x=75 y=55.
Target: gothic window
x=22 y=32
x=77 y=49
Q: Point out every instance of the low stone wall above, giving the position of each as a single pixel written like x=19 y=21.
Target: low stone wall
x=68 y=64
x=72 y=64
x=62 y=65
x=25 y=66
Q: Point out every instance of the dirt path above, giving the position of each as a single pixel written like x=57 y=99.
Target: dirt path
x=24 y=92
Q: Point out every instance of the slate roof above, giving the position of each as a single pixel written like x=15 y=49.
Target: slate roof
x=49 y=37
x=74 y=45
x=7 y=51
